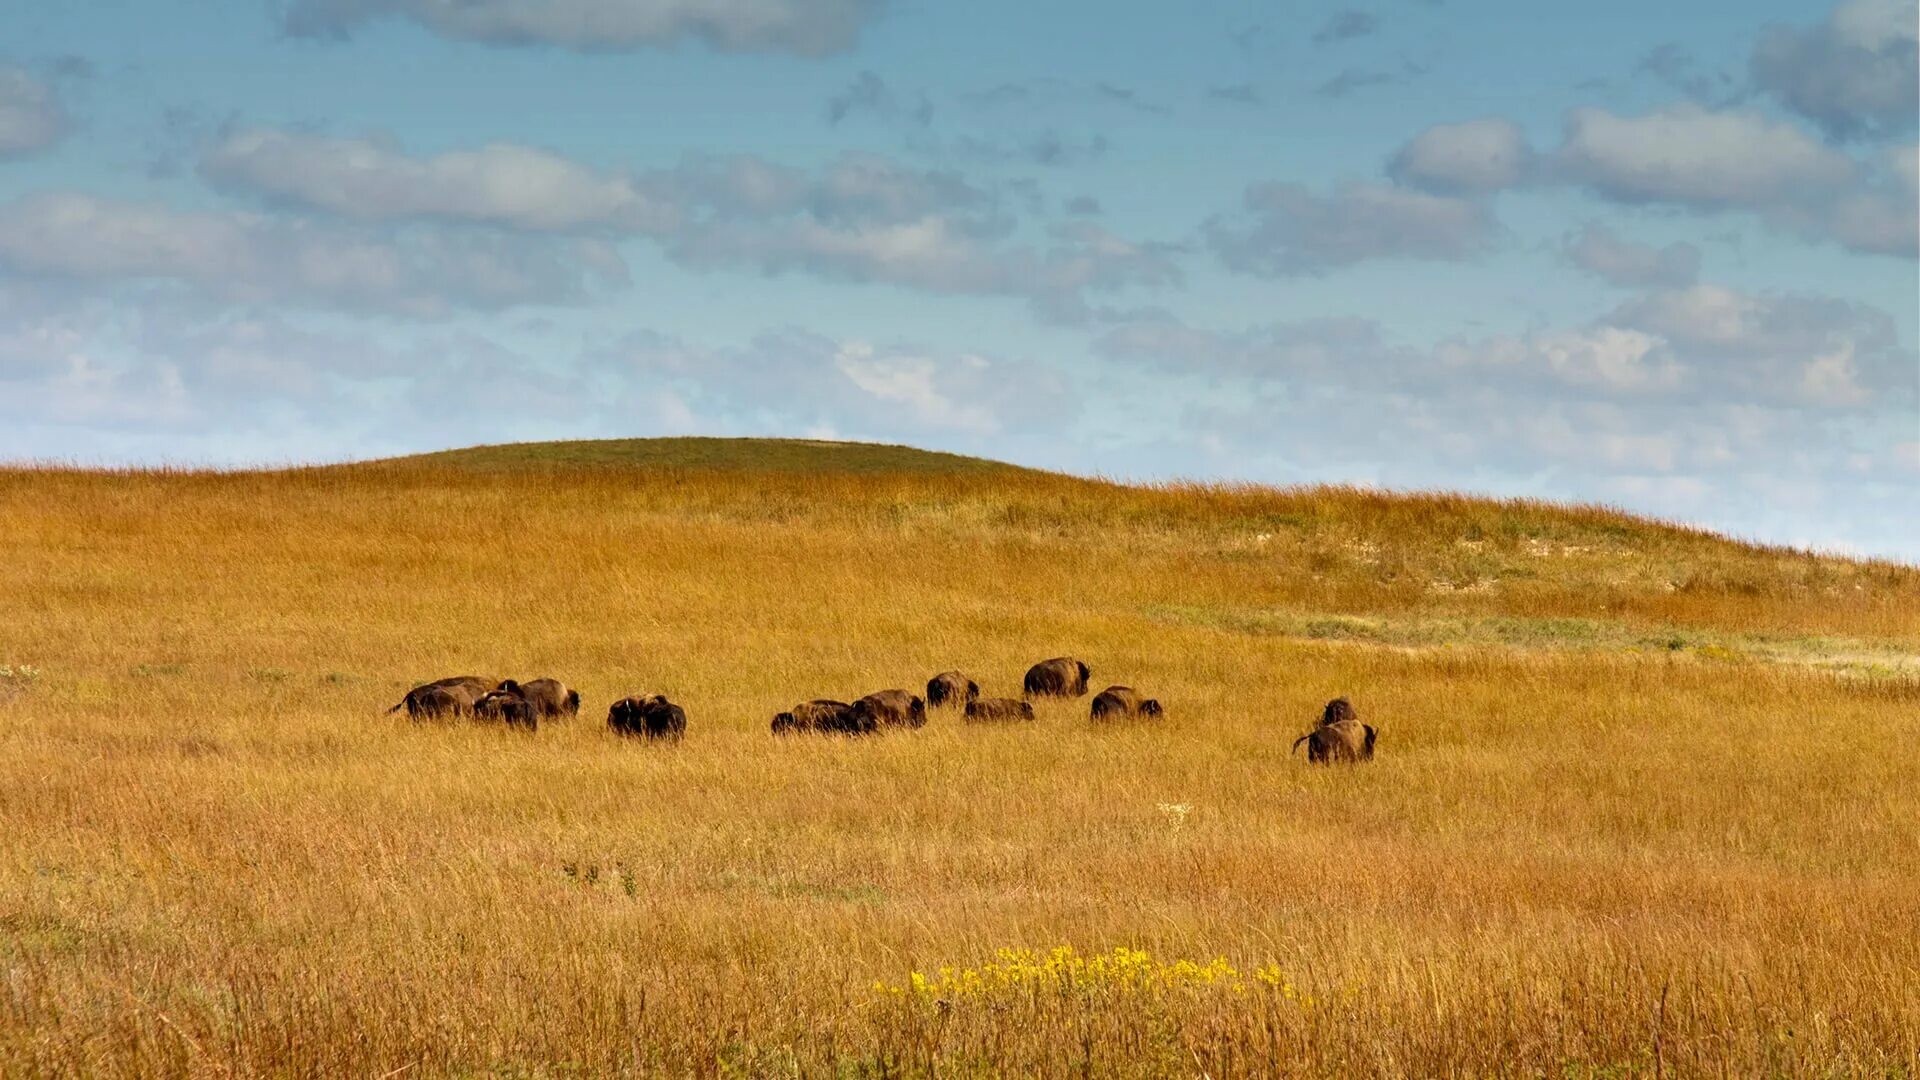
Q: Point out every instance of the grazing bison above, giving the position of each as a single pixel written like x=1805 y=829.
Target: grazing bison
x=1123 y=703
x=1062 y=676
x=889 y=708
x=951 y=688
x=1341 y=737
x=820 y=714
x=442 y=696
x=508 y=705
x=999 y=708
x=549 y=697
x=650 y=717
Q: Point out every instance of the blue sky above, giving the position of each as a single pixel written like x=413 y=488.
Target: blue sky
x=1658 y=256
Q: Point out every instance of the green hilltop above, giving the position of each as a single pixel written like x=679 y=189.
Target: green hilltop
x=760 y=455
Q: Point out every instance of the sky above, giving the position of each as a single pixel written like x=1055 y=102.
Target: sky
x=1658 y=256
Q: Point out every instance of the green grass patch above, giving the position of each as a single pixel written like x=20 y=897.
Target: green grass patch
x=1870 y=659
x=765 y=455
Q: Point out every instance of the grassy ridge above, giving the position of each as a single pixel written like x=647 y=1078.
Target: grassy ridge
x=756 y=455
x=221 y=856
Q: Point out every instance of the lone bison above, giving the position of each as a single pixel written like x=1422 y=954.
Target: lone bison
x=650 y=717
x=549 y=697
x=508 y=705
x=445 y=696
x=822 y=715
x=951 y=687
x=889 y=708
x=1341 y=737
x=999 y=708
x=1123 y=703
x=1062 y=676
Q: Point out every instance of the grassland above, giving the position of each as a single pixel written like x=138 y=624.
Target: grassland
x=750 y=455
x=1645 y=803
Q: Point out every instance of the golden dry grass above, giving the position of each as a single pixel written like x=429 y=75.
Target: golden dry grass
x=1637 y=831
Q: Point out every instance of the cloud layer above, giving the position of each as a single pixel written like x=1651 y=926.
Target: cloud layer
x=1598 y=251
x=31 y=119
x=1691 y=158
x=252 y=258
x=1288 y=229
x=1706 y=403
x=806 y=27
x=1854 y=74
x=861 y=218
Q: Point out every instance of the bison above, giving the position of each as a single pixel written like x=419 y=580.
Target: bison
x=820 y=714
x=1123 y=703
x=549 y=697
x=1062 y=676
x=1341 y=737
x=889 y=708
x=951 y=687
x=1339 y=710
x=508 y=705
x=999 y=708
x=457 y=694
x=649 y=717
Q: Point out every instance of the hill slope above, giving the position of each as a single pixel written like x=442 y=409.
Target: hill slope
x=782 y=455
x=1644 y=800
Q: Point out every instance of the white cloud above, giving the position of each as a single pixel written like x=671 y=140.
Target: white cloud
x=1706 y=422
x=161 y=367
x=1474 y=157
x=1695 y=157
x=861 y=217
x=1622 y=262
x=1288 y=229
x=930 y=253
x=914 y=382
x=793 y=380
x=806 y=27
x=31 y=118
x=1704 y=342
x=1307 y=349
x=872 y=220
x=1608 y=359
x=1880 y=216
x=256 y=258
x=1855 y=74
x=1903 y=163
x=501 y=184
x=1811 y=351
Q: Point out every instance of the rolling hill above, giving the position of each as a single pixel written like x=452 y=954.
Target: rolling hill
x=1643 y=802
x=756 y=455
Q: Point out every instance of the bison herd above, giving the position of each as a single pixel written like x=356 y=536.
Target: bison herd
x=1339 y=736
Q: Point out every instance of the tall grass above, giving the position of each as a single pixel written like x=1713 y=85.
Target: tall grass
x=218 y=855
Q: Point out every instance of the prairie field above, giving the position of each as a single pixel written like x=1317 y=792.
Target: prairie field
x=1645 y=801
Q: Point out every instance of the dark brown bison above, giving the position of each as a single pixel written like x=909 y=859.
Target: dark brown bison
x=1123 y=703
x=1062 y=676
x=509 y=706
x=999 y=708
x=549 y=697
x=822 y=715
x=431 y=701
x=650 y=717
x=1341 y=737
x=951 y=688
x=889 y=708
x=1339 y=710
x=445 y=696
